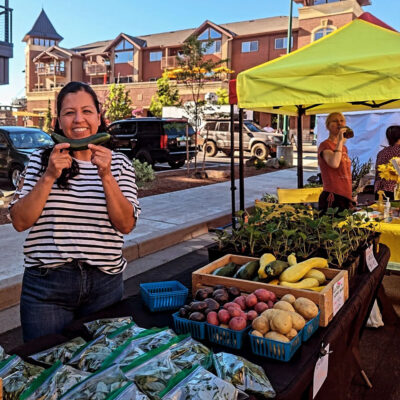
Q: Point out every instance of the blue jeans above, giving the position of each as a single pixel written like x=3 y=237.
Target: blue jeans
x=52 y=298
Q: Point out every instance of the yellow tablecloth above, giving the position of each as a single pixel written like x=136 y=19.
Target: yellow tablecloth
x=390 y=235
x=304 y=195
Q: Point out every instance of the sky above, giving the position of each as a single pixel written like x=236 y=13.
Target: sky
x=80 y=22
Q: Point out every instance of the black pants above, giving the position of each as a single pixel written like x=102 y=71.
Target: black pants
x=387 y=194
x=332 y=200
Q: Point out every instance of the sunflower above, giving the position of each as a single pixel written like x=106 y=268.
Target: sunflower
x=387 y=172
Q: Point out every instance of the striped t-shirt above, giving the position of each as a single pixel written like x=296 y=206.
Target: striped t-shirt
x=74 y=224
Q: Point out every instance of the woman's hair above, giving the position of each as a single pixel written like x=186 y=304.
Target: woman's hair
x=393 y=134
x=71 y=87
x=330 y=117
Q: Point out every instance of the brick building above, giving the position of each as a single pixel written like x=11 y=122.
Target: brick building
x=138 y=61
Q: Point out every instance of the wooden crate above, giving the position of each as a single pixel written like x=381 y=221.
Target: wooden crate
x=202 y=277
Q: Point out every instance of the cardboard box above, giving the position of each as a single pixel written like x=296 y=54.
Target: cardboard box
x=324 y=299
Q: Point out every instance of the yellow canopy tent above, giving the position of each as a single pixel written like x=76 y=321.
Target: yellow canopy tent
x=357 y=67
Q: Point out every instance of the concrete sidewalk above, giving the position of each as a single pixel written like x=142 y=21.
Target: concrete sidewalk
x=166 y=220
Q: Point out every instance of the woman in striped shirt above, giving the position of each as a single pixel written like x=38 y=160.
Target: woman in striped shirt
x=78 y=205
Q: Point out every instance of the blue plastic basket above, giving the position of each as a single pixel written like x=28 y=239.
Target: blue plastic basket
x=310 y=327
x=274 y=349
x=226 y=337
x=183 y=325
x=160 y=296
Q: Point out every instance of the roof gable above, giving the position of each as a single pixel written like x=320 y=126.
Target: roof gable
x=56 y=52
x=43 y=28
x=137 y=42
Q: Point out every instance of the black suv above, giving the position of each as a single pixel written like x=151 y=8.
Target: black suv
x=153 y=139
x=16 y=145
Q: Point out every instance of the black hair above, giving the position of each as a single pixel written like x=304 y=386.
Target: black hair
x=393 y=134
x=71 y=87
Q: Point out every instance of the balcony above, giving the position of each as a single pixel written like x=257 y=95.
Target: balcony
x=169 y=62
x=96 y=69
x=49 y=70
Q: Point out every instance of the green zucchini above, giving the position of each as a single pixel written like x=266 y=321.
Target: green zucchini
x=81 y=144
x=275 y=268
x=248 y=271
x=227 y=270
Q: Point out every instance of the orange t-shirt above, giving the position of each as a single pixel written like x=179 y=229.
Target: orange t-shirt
x=335 y=180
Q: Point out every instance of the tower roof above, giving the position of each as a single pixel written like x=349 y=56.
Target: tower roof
x=43 y=28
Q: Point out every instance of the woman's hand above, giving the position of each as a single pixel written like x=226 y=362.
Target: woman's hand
x=341 y=137
x=101 y=157
x=59 y=159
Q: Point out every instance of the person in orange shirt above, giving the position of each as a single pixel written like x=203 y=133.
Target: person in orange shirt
x=335 y=166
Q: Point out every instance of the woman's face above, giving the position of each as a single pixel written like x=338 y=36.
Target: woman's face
x=336 y=122
x=78 y=115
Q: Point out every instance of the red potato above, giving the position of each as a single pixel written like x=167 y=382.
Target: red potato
x=237 y=323
x=251 y=315
x=251 y=300
x=262 y=295
x=261 y=307
x=234 y=312
x=232 y=304
x=270 y=304
x=223 y=316
x=272 y=296
x=212 y=318
x=241 y=300
x=243 y=315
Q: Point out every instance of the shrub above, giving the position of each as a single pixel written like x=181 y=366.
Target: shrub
x=144 y=172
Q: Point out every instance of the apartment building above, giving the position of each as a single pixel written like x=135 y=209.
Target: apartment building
x=6 y=45
x=138 y=61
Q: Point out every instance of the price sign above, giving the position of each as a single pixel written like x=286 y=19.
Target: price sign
x=370 y=258
x=321 y=371
x=338 y=295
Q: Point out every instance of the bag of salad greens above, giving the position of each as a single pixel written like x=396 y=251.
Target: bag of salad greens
x=3 y=354
x=97 y=386
x=199 y=384
x=106 y=325
x=53 y=382
x=124 y=333
x=128 y=392
x=244 y=374
x=62 y=352
x=17 y=376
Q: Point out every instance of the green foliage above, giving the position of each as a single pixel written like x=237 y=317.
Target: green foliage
x=118 y=103
x=358 y=171
x=312 y=185
x=144 y=172
x=48 y=120
x=223 y=96
x=167 y=95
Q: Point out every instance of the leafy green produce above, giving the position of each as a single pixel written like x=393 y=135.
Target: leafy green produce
x=106 y=325
x=128 y=392
x=3 y=354
x=62 y=352
x=189 y=352
x=243 y=374
x=124 y=333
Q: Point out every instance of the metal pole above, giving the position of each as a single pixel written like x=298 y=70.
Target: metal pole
x=300 y=113
x=241 y=172
x=233 y=187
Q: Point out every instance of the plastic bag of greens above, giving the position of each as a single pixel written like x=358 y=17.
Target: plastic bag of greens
x=53 y=382
x=140 y=344
x=17 y=376
x=97 y=386
x=3 y=354
x=198 y=384
x=106 y=325
x=128 y=392
x=124 y=333
x=62 y=352
x=244 y=374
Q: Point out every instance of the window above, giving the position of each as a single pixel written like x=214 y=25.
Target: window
x=155 y=56
x=123 y=45
x=210 y=126
x=208 y=34
x=223 y=126
x=316 y=2
x=123 y=79
x=211 y=47
x=248 y=47
x=322 y=32
x=123 y=57
x=281 y=43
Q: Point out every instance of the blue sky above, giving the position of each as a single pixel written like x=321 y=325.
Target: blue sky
x=81 y=22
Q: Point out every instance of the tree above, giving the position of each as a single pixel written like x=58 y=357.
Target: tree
x=48 y=120
x=167 y=95
x=118 y=103
x=194 y=70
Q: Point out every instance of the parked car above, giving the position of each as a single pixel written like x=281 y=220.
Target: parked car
x=153 y=139
x=16 y=145
x=259 y=143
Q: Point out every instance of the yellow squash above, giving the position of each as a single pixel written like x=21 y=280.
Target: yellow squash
x=317 y=289
x=318 y=275
x=292 y=259
x=297 y=271
x=265 y=259
x=306 y=283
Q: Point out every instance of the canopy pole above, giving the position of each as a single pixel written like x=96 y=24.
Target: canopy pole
x=300 y=112
x=241 y=172
x=233 y=187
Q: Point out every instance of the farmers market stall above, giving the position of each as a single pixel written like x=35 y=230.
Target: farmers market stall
x=291 y=380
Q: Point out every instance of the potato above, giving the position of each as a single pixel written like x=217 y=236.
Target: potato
x=212 y=318
x=276 y=336
x=292 y=334
x=289 y=298
x=257 y=333
x=260 y=307
x=241 y=300
x=224 y=326
x=260 y=324
x=224 y=316
x=251 y=300
x=252 y=315
x=283 y=305
x=262 y=294
x=282 y=322
x=298 y=321
x=231 y=304
x=234 y=312
x=269 y=313
x=237 y=323
x=305 y=307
